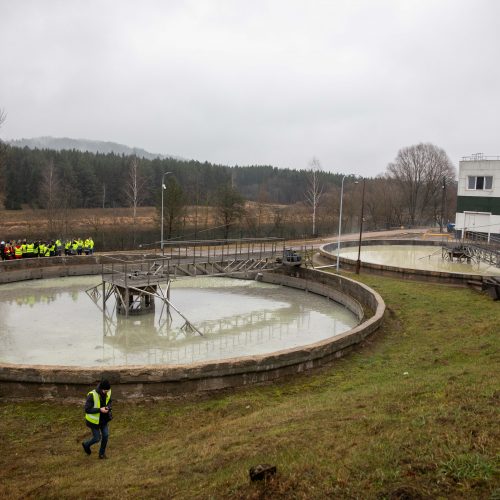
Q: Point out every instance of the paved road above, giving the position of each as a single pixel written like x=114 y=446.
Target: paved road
x=298 y=244
x=392 y=234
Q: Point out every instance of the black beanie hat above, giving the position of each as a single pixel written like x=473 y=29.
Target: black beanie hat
x=105 y=384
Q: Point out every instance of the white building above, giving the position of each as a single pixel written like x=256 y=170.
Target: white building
x=478 y=196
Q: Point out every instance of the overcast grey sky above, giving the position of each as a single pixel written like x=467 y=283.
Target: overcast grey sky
x=256 y=82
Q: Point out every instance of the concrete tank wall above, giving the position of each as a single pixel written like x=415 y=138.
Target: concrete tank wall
x=24 y=381
x=329 y=251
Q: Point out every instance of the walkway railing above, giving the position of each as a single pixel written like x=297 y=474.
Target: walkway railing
x=479 y=157
x=478 y=247
x=180 y=252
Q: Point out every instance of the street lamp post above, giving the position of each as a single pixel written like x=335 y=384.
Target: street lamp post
x=443 y=198
x=163 y=187
x=358 y=262
x=340 y=222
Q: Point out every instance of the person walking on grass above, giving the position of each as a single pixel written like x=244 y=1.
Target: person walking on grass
x=97 y=417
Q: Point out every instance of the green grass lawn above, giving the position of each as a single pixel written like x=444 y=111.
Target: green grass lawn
x=412 y=413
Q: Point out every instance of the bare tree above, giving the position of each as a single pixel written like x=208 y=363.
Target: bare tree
x=136 y=187
x=314 y=189
x=135 y=190
x=229 y=207
x=50 y=196
x=419 y=172
x=3 y=117
x=382 y=202
x=95 y=225
x=262 y=207
x=279 y=220
x=174 y=205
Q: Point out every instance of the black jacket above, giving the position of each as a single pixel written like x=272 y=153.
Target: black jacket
x=89 y=408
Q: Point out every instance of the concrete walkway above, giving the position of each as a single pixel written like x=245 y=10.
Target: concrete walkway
x=395 y=234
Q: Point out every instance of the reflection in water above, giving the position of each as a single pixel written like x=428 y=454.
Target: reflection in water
x=416 y=257
x=237 y=318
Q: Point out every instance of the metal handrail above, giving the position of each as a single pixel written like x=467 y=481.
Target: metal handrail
x=479 y=157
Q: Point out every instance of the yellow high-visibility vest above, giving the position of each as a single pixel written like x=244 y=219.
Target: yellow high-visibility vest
x=94 y=417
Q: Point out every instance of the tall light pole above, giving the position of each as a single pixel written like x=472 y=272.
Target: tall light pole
x=163 y=187
x=358 y=262
x=443 y=197
x=340 y=222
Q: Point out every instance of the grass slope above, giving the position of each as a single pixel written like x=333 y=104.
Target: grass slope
x=413 y=413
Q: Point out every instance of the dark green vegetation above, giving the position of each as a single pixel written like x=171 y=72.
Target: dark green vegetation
x=418 y=189
x=413 y=413
x=88 y=180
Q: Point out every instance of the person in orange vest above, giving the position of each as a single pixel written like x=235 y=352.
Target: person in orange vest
x=8 y=251
x=18 y=250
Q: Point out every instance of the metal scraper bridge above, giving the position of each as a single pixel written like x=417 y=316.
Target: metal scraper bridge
x=136 y=282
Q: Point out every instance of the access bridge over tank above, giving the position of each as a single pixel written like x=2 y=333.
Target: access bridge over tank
x=474 y=247
x=218 y=257
x=136 y=282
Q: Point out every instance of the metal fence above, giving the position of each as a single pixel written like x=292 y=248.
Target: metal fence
x=221 y=250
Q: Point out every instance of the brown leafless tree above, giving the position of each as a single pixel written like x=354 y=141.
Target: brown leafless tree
x=229 y=207
x=174 y=207
x=419 y=171
x=262 y=208
x=314 y=189
x=136 y=190
x=3 y=117
x=50 y=196
x=383 y=203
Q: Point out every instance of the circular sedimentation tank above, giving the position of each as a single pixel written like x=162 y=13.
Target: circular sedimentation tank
x=55 y=341
x=425 y=260
x=54 y=322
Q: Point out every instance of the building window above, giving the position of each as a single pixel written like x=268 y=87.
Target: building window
x=480 y=182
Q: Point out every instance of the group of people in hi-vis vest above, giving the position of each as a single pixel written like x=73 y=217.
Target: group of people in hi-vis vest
x=28 y=249
x=77 y=246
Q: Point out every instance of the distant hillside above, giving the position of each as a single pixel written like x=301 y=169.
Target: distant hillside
x=60 y=143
